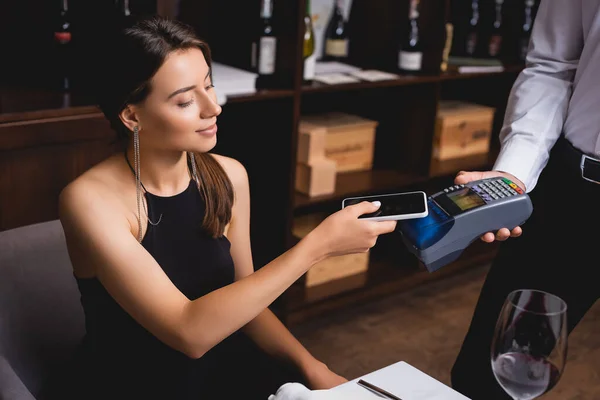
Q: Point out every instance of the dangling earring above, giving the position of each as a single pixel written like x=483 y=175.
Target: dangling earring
x=138 y=183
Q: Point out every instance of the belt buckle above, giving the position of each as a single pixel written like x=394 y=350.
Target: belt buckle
x=582 y=165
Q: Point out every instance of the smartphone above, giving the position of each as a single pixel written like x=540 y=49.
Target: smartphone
x=394 y=206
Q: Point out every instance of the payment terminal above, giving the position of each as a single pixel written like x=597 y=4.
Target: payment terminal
x=460 y=214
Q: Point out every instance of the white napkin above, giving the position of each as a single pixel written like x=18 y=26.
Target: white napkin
x=297 y=391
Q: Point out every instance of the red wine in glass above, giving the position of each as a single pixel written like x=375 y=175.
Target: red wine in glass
x=523 y=376
x=530 y=343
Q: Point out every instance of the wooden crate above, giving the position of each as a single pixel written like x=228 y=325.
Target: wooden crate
x=315 y=174
x=349 y=139
x=333 y=268
x=462 y=129
x=316 y=179
x=311 y=143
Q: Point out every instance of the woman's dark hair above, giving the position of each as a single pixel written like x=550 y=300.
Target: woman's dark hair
x=137 y=52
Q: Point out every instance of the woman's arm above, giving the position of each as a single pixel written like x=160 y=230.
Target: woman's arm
x=266 y=329
x=98 y=232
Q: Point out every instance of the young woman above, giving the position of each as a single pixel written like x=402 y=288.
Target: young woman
x=159 y=240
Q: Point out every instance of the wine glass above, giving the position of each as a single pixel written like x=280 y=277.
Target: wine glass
x=529 y=347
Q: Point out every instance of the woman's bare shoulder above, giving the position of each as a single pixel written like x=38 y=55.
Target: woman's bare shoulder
x=235 y=169
x=100 y=188
x=93 y=207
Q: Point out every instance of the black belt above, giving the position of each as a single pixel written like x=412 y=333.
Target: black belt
x=586 y=166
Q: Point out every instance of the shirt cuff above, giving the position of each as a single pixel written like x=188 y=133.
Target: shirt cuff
x=523 y=160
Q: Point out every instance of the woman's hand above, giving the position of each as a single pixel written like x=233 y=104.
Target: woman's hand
x=344 y=233
x=465 y=177
x=319 y=376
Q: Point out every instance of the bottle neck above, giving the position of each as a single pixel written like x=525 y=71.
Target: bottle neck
x=414 y=32
x=123 y=6
x=308 y=8
x=447 y=12
x=498 y=21
x=528 y=21
x=126 y=9
x=413 y=12
x=475 y=13
x=266 y=9
x=413 y=15
x=338 y=7
x=65 y=5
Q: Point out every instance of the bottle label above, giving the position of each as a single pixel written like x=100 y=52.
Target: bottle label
x=266 y=63
x=62 y=37
x=336 y=47
x=309 y=67
x=471 y=43
x=410 y=61
x=495 y=43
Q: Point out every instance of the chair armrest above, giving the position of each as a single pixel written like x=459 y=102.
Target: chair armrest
x=11 y=386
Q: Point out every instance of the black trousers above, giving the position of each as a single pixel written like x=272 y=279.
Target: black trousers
x=557 y=252
x=239 y=370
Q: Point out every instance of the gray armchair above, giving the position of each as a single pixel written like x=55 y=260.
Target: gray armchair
x=41 y=320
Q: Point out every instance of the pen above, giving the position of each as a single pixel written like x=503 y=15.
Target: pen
x=377 y=389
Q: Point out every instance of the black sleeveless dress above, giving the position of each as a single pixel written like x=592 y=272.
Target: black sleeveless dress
x=119 y=359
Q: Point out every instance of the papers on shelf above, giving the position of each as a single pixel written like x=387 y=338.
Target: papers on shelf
x=335 y=78
x=373 y=75
x=231 y=81
x=332 y=67
x=474 y=65
x=332 y=72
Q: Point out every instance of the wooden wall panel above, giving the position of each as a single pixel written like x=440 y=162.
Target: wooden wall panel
x=39 y=158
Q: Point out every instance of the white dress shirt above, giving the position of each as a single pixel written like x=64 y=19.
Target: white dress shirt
x=557 y=92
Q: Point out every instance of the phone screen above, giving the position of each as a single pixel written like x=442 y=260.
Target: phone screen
x=393 y=204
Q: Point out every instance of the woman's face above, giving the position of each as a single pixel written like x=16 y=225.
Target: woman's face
x=181 y=110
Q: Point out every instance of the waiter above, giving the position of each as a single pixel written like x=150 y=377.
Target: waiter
x=550 y=146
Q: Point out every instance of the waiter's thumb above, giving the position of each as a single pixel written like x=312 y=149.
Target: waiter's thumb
x=468 y=176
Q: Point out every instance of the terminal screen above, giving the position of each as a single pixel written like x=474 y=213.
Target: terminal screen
x=465 y=199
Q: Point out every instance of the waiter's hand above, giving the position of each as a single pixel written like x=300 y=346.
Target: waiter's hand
x=468 y=176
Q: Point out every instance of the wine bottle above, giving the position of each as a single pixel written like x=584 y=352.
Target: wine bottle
x=410 y=56
x=526 y=30
x=63 y=47
x=449 y=36
x=472 y=38
x=336 y=35
x=124 y=8
x=265 y=46
x=123 y=13
x=308 y=49
x=495 y=43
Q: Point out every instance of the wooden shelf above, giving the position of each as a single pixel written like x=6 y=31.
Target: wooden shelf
x=261 y=95
x=360 y=183
x=383 y=279
x=452 y=75
x=25 y=104
x=402 y=81
x=22 y=104
x=316 y=87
